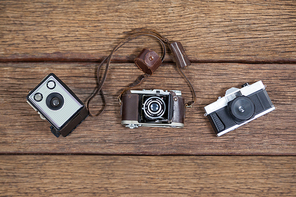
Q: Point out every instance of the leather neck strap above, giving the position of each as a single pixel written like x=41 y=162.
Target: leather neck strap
x=132 y=35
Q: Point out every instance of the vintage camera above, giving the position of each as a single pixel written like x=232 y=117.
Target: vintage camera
x=152 y=108
x=238 y=107
x=57 y=104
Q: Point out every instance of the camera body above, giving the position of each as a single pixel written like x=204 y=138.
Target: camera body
x=238 y=107
x=153 y=108
x=57 y=104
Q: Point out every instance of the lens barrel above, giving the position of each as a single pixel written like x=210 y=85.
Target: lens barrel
x=242 y=108
x=154 y=107
x=54 y=101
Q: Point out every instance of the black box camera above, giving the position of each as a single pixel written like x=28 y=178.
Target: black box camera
x=238 y=107
x=57 y=104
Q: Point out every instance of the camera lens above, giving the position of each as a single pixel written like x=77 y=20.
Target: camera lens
x=38 y=97
x=154 y=107
x=54 y=101
x=242 y=108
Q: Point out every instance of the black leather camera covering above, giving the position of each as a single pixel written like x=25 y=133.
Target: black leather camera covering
x=72 y=124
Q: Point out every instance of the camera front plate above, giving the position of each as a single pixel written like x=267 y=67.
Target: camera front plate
x=56 y=117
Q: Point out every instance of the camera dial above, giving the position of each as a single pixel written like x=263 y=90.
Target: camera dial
x=242 y=108
x=154 y=107
x=54 y=101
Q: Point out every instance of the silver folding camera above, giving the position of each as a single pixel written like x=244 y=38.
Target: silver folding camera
x=238 y=107
x=153 y=108
x=57 y=104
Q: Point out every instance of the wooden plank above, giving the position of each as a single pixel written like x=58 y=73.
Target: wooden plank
x=147 y=176
x=211 y=31
x=22 y=131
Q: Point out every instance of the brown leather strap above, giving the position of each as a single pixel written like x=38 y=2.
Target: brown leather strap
x=135 y=34
x=97 y=89
x=137 y=82
x=176 y=48
x=190 y=103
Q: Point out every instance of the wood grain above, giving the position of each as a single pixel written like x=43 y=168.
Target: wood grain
x=147 y=176
x=22 y=131
x=211 y=31
x=221 y=37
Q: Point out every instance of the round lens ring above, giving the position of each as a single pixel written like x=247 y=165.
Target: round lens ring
x=38 y=97
x=51 y=84
x=242 y=108
x=55 y=101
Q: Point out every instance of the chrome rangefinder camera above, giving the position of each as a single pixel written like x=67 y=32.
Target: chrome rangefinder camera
x=57 y=104
x=238 y=107
x=153 y=108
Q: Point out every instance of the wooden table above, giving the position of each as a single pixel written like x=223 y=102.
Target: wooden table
x=228 y=42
